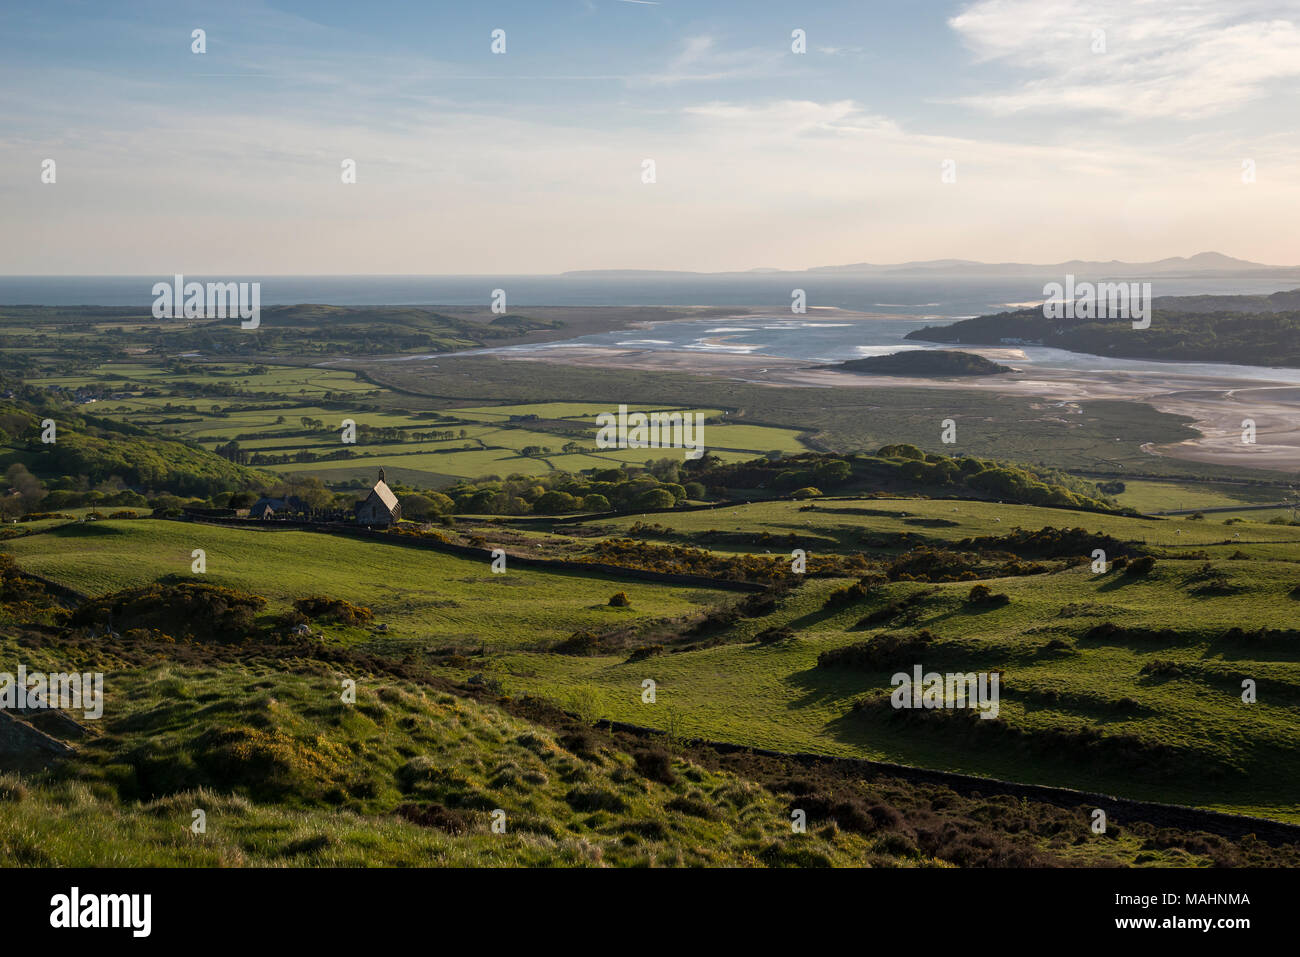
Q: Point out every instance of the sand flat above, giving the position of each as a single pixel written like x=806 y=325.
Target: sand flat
x=1216 y=405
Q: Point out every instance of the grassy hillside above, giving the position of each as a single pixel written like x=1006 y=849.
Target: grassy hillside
x=289 y=775
x=1151 y=662
x=837 y=524
x=90 y=450
x=1150 y=658
x=420 y=594
x=421 y=772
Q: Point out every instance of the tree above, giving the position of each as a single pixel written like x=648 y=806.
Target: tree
x=441 y=504
x=417 y=507
x=656 y=498
x=553 y=503
x=832 y=473
x=28 y=486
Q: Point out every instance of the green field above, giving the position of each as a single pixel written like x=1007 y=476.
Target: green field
x=839 y=523
x=1165 y=496
x=777 y=697
x=265 y=415
x=422 y=595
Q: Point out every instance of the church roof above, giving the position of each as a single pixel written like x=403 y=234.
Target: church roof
x=385 y=494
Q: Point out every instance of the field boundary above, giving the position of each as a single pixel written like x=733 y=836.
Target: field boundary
x=1234 y=826
x=69 y=596
x=483 y=554
x=734 y=503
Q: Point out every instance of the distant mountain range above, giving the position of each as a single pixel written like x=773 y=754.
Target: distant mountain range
x=1201 y=264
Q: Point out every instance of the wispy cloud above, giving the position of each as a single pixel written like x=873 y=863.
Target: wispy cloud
x=1162 y=58
x=700 y=58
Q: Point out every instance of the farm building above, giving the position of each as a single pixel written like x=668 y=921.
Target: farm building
x=380 y=507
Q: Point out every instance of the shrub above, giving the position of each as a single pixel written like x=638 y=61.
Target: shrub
x=1162 y=668
x=578 y=643
x=1140 y=566
x=620 y=600
x=848 y=595
x=200 y=612
x=655 y=764
x=333 y=609
x=982 y=596
x=883 y=651
x=582 y=743
x=901 y=452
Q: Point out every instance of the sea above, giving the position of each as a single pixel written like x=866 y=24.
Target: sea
x=911 y=303
x=910 y=296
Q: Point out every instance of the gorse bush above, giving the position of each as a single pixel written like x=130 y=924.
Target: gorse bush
x=882 y=651
x=1140 y=566
x=199 y=612
x=321 y=607
x=848 y=595
x=982 y=596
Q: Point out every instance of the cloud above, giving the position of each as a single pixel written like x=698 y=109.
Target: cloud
x=701 y=59
x=1162 y=58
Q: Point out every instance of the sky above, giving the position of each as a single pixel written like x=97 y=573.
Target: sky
x=993 y=130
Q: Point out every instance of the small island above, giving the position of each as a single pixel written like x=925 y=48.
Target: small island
x=924 y=362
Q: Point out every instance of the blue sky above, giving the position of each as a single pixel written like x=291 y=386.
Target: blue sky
x=531 y=161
